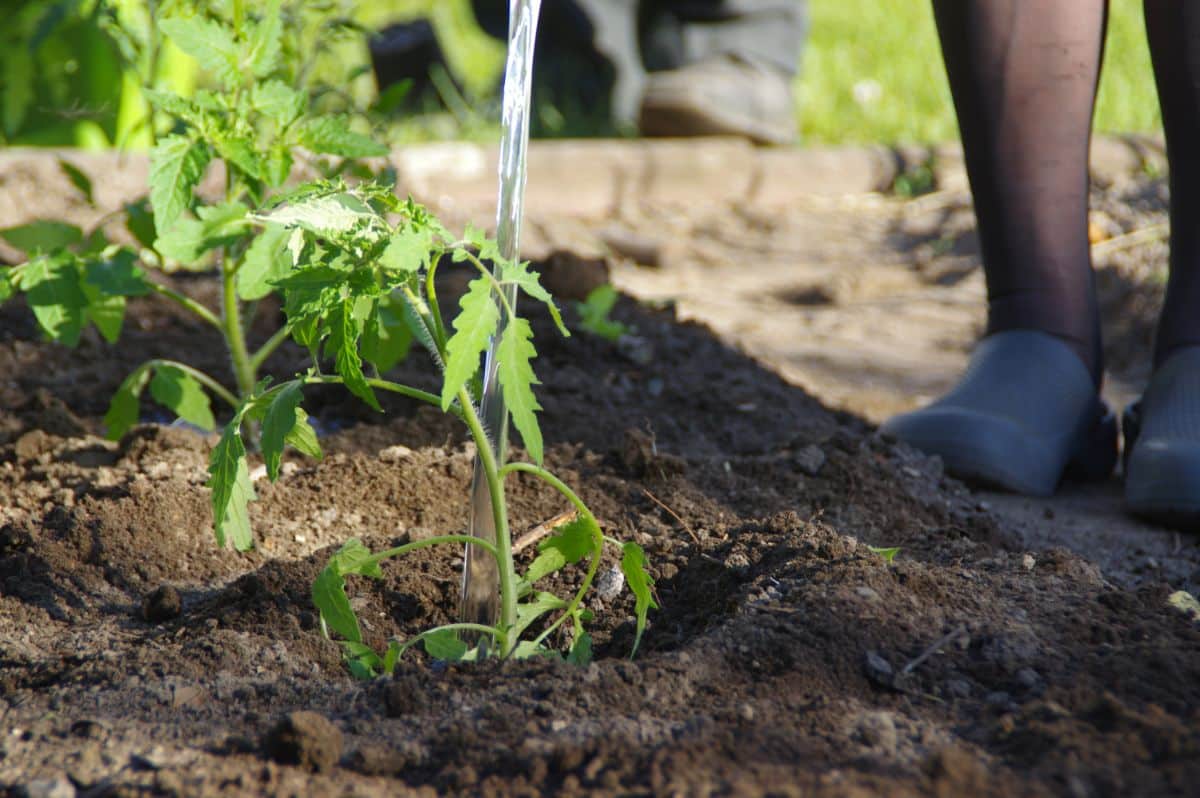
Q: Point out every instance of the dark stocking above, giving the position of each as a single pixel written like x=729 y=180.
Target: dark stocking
x=1173 y=27
x=1023 y=74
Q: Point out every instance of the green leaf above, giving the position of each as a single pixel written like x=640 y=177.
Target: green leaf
x=279 y=164
x=343 y=342
x=593 y=314
x=264 y=40
x=78 y=179
x=277 y=425
x=277 y=101
x=517 y=380
x=386 y=338
x=581 y=650
x=303 y=438
x=888 y=554
x=217 y=226
x=51 y=287
x=537 y=606
x=473 y=326
x=106 y=312
x=574 y=541
x=444 y=645
x=329 y=597
x=232 y=489
x=176 y=165
x=6 y=286
x=332 y=135
x=211 y=44
x=240 y=151
x=123 y=409
x=139 y=221
x=182 y=394
x=518 y=274
x=326 y=216
x=355 y=558
x=266 y=260
x=633 y=565
x=18 y=73
x=43 y=235
x=408 y=250
x=527 y=649
x=118 y=275
x=364 y=664
x=487 y=249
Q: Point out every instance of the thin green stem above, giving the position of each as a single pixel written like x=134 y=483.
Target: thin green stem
x=438 y=540
x=387 y=385
x=496 y=284
x=449 y=627
x=597 y=537
x=435 y=309
x=243 y=368
x=504 y=557
x=208 y=382
x=267 y=349
x=188 y=304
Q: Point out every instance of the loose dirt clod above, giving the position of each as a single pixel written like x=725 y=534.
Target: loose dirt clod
x=163 y=604
x=305 y=739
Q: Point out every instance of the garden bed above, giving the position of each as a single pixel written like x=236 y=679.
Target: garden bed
x=789 y=656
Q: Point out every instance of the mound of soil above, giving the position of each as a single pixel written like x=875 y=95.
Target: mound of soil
x=789 y=657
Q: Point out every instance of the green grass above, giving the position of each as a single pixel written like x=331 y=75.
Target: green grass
x=894 y=57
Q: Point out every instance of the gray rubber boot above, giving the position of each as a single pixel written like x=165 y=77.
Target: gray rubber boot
x=1162 y=444
x=1025 y=413
x=725 y=95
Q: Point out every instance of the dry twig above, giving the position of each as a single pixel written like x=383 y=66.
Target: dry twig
x=673 y=514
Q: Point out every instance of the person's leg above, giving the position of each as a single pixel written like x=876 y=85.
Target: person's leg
x=1162 y=430
x=1023 y=75
x=1173 y=29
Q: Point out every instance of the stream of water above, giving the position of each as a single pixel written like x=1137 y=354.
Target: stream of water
x=481 y=580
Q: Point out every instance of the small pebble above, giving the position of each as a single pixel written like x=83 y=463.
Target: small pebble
x=394 y=454
x=879 y=670
x=810 y=460
x=1028 y=562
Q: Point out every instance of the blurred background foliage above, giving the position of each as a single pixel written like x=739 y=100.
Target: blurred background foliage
x=72 y=71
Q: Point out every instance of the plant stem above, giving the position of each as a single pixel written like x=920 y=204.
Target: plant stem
x=188 y=304
x=504 y=557
x=586 y=514
x=423 y=543
x=200 y=377
x=268 y=348
x=392 y=387
x=243 y=367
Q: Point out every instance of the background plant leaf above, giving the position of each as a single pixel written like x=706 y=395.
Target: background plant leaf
x=176 y=165
x=182 y=394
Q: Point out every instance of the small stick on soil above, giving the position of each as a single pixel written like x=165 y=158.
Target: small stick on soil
x=954 y=634
x=543 y=530
x=1143 y=235
x=673 y=514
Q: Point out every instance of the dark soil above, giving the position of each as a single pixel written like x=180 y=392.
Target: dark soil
x=788 y=658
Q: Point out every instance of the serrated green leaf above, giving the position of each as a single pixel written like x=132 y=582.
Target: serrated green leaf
x=277 y=101
x=386 y=337
x=581 y=650
x=328 y=215
x=330 y=599
x=78 y=179
x=263 y=44
x=408 y=250
x=332 y=135
x=363 y=662
x=633 y=565
x=486 y=248
x=175 y=105
x=343 y=345
x=517 y=379
x=210 y=43
x=887 y=553
x=355 y=558
x=176 y=165
x=279 y=164
x=52 y=290
x=279 y=422
x=217 y=226
x=180 y=393
x=118 y=275
x=266 y=260
x=303 y=438
x=123 y=409
x=527 y=649
x=106 y=312
x=574 y=541
x=473 y=327
x=517 y=273
x=139 y=221
x=43 y=235
x=538 y=605
x=445 y=645
x=594 y=313
x=240 y=151
x=232 y=489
